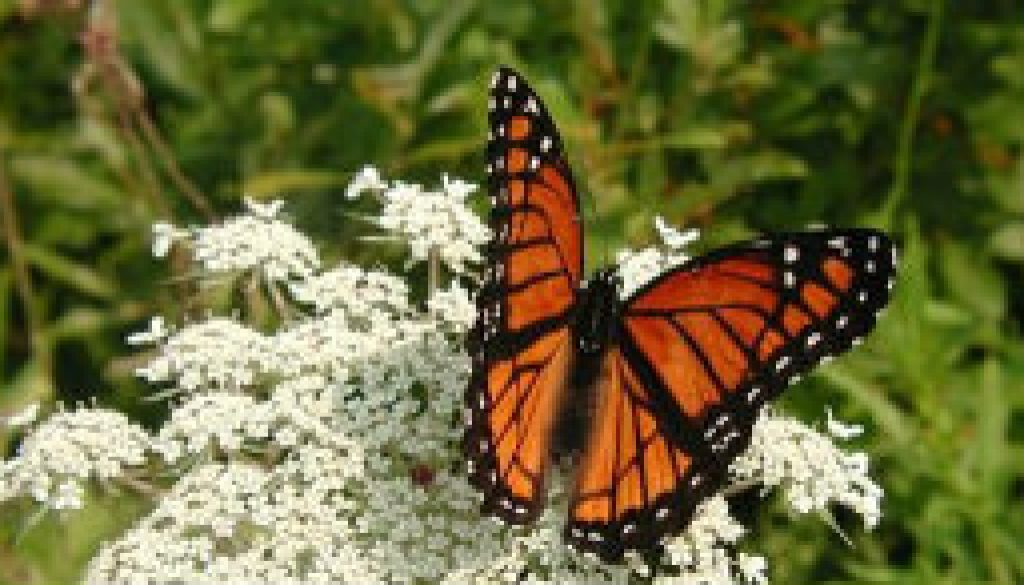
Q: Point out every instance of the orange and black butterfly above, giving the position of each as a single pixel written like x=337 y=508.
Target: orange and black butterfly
x=670 y=379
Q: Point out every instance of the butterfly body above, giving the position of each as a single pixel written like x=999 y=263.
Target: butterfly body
x=595 y=323
x=597 y=313
x=657 y=393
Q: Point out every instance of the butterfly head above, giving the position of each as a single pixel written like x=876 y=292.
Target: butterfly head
x=597 y=311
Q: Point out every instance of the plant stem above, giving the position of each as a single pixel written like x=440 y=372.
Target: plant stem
x=922 y=81
x=170 y=164
x=433 y=271
x=22 y=277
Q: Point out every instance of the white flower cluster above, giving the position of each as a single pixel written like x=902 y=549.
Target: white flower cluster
x=68 y=449
x=701 y=554
x=638 y=267
x=326 y=451
x=216 y=353
x=437 y=219
x=255 y=240
x=811 y=469
x=354 y=289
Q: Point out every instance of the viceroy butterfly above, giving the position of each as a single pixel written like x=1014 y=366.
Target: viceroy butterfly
x=671 y=379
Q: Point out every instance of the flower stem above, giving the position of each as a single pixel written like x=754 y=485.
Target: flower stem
x=433 y=271
x=23 y=278
x=922 y=81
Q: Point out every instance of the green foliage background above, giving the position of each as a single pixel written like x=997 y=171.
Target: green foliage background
x=728 y=115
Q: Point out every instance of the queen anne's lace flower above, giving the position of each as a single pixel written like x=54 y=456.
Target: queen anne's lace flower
x=638 y=267
x=454 y=306
x=439 y=220
x=811 y=469
x=701 y=553
x=367 y=179
x=326 y=451
x=216 y=353
x=356 y=290
x=23 y=417
x=164 y=236
x=68 y=449
x=256 y=241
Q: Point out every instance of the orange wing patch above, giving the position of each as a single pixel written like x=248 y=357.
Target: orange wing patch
x=518 y=127
x=510 y=429
x=524 y=393
x=631 y=478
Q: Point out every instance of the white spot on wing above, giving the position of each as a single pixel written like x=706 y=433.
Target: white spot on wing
x=791 y=254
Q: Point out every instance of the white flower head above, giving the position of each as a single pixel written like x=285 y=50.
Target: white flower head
x=69 y=448
x=358 y=291
x=22 y=418
x=268 y=210
x=439 y=220
x=672 y=237
x=453 y=305
x=639 y=267
x=164 y=236
x=839 y=429
x=368 y=179
x=255 y=241
x=701 y=552
x=809 y=467
x=216 y=353
x=156 y=332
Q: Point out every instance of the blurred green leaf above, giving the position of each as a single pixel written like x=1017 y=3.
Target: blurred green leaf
x=155 y=31
x=64 y=182
x=227 y=16
x=696 y=139
x=67 y=271
x=973 y=281
x=1008 y=241
x=275 y=183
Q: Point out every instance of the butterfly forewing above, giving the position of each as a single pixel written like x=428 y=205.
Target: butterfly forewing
x=522 y=344
x=699 y=351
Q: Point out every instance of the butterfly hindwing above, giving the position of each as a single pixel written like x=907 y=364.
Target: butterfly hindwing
x=522 y=344
x=632 y=474
x=699 y=352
